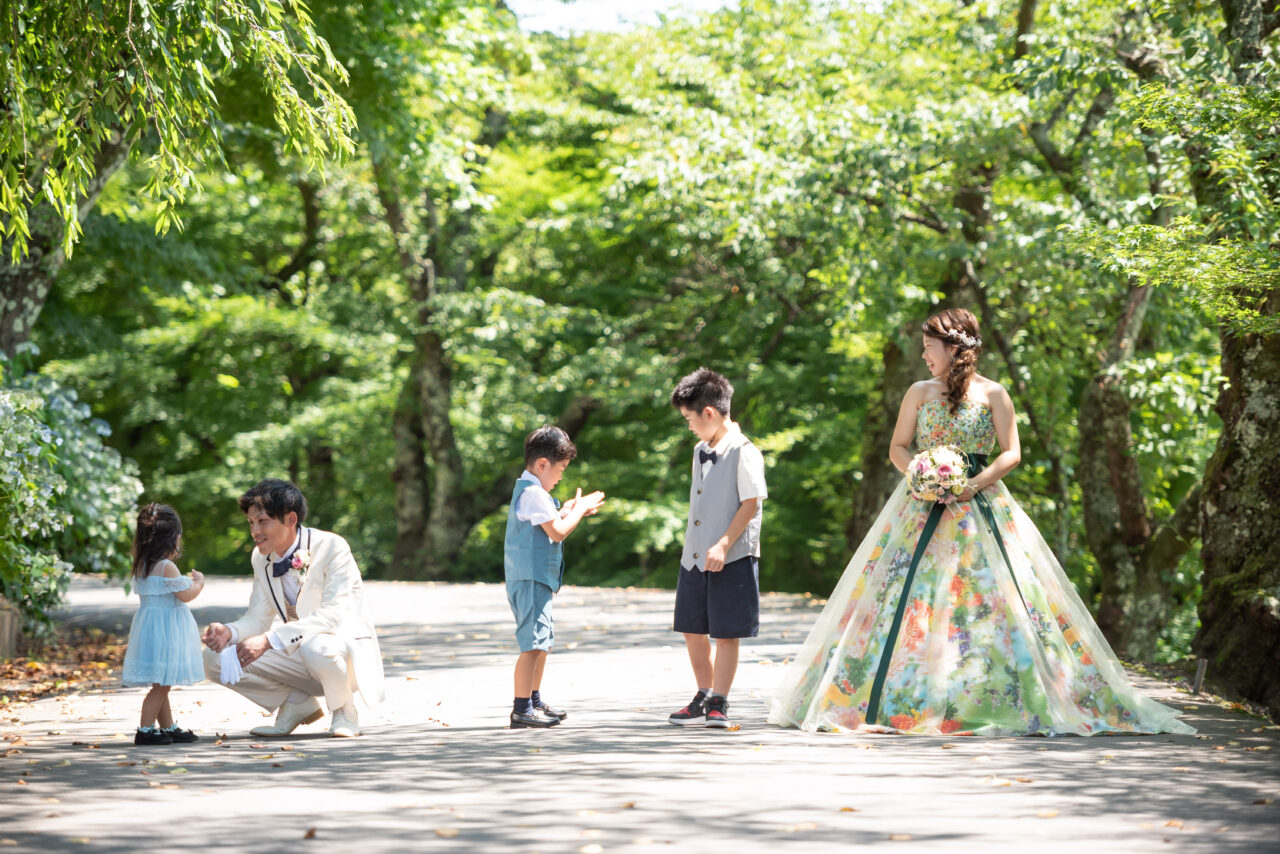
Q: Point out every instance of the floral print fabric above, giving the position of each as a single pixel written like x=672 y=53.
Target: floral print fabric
x=985 y=647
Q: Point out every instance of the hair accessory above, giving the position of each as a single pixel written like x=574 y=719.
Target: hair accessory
x=963 y=339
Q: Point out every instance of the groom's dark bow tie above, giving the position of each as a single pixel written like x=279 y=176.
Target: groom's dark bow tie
x=281 y=566
x=704 y=455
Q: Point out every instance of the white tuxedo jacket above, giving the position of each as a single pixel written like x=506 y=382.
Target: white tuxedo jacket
x=331 y=600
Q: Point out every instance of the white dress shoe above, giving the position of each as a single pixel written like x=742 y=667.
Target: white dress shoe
x=290 y=717
x=346 y=723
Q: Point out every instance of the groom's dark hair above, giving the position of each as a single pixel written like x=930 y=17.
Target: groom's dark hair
x=277 y=498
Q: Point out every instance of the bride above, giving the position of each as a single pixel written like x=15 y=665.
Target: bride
x=957 y=619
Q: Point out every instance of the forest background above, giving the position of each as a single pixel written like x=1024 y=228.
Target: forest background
x=369 y=246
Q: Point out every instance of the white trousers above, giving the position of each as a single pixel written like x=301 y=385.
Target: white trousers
x=318 y=666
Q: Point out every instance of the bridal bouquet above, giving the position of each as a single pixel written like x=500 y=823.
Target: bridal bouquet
x=937 y=474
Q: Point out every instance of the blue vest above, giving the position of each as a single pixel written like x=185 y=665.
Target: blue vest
x=528 y=554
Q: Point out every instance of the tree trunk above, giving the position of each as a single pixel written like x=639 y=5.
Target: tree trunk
x=24 y=286
x=1115 y=508
x=1240 y=606
x=900 y=362
x=900 y=367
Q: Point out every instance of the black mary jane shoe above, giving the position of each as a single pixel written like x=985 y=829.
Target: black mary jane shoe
x=181 y=736
x=156 y=736
x=552 y=712
x=533 y=720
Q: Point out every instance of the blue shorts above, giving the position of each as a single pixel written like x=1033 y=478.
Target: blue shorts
x=724 y=604
x=531 y=604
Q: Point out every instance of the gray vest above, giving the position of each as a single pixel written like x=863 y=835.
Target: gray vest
x=713 y=502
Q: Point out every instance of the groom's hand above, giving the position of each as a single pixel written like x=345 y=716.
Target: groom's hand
x=252 y=649
x=216 y=636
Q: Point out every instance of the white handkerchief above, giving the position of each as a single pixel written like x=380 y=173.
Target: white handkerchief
x=229 y=665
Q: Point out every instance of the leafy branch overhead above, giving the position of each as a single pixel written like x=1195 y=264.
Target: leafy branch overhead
x=87 y=84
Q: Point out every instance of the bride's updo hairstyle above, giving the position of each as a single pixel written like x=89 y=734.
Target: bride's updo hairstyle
x=959 y=328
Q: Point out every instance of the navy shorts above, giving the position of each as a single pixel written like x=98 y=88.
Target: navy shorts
x=724 y=604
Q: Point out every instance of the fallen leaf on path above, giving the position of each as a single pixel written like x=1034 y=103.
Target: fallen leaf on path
x=277 y=764
x=629 y=805
x=52 y=801
x=257 y=747
x=848 y=809
x=992 y=780
x=1177 y=822
x=805 y=825
x=1047 y=813
x=735 y=727
x=310 y=834
x=22 y=782
x=1260 y=747
x=899 y=837
x=177 y=770
x=1024 y=779
x=449 y=832
x=1181 y=768
x=949 y=746
x=263 y=756
x=1260 y=802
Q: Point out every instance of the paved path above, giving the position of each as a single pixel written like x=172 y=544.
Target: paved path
x=436 y=769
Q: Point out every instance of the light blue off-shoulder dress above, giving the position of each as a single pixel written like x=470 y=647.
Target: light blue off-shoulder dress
x=164 y=642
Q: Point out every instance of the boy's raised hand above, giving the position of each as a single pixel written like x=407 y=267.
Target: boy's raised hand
x=590 y=504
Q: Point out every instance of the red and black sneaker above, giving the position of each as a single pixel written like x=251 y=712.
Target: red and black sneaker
x=692 y=714
x=718 y=712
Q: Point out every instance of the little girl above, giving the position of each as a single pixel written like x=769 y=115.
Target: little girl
x=164 y=643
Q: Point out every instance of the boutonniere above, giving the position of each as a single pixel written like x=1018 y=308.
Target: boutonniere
x=301 y=563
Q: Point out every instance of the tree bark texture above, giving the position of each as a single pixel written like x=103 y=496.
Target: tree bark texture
x=1240 y=605
x=24 y=286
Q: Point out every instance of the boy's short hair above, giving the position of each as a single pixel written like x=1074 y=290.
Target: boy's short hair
x=703 y=388
x=277 y=498
x=550 y=442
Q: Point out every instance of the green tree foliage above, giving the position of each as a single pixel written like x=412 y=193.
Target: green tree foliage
x=66 y=499
x=538 y=228
x=76 y=75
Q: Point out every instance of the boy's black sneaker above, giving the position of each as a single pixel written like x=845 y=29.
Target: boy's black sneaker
x=718 y=713
x=532 y=720
x=693 y=714
x=155 y=736
x=552 y=712
x=181 y=736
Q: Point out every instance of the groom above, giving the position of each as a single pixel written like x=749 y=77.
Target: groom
x=305 y=633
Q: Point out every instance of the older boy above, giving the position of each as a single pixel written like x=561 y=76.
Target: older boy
x=533 y=557
x=718 y=592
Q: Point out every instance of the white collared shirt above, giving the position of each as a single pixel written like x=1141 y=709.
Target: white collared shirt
x=750 y=462
x=535 y=504
x=290 y=583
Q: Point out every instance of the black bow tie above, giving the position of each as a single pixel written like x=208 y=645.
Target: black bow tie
x=281 y=566
x=704 y=455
